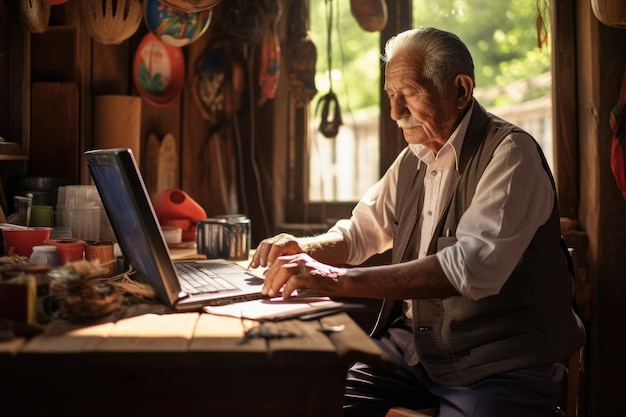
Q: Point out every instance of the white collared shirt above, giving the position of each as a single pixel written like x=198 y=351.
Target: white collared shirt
x=513 y=198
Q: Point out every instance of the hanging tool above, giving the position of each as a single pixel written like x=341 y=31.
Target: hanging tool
x=270 y=52
x=329 y=127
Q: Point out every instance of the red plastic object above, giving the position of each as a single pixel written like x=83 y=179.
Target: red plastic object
x=618 y=141
x=174 y=207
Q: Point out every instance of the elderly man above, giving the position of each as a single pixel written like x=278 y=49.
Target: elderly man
x=477 y=306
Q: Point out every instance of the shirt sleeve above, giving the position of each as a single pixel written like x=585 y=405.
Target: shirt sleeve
x=513 y=198
x=370 y=229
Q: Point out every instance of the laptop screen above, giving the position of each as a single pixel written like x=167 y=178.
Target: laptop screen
x=126 y=201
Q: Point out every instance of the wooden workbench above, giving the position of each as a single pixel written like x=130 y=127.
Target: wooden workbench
x=150 y=362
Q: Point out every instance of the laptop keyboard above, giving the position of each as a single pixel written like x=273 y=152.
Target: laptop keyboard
x=195 y=279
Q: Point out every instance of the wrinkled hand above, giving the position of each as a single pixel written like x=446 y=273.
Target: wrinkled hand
x=300 y=271
x=271 y=248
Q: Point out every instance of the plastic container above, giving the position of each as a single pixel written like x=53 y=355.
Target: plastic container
x=84 y=222
x=45 y=255
x=69 y=249
x=20 y=241
x=80 y=208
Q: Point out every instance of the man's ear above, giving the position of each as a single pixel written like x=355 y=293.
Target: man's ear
x=465 y=89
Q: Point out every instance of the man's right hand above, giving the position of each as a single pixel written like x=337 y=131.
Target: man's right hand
x=271 y=248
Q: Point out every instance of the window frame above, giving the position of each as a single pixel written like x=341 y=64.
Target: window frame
x=302 y=216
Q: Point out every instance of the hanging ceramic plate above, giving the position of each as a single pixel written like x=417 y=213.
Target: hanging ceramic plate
x=192 y=5
x=158 y=71
x=174 y=26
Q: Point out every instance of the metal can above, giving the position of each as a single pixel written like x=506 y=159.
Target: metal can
x=224 y=237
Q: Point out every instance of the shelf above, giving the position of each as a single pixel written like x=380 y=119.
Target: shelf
x=13 y=157
x=11 y=151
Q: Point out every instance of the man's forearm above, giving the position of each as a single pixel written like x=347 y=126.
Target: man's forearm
x=423 y=278
x=328 y=248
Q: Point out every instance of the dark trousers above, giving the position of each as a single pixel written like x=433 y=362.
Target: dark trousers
x=521 y=393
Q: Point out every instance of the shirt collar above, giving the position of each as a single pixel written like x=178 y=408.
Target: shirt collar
x=453 y=144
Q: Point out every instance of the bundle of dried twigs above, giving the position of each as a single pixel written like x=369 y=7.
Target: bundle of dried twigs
x=83 y=292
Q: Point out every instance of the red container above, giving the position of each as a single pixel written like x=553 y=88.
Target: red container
x=21 y=241
x=70 y=250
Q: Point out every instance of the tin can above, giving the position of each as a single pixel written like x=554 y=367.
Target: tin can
x=224 y=237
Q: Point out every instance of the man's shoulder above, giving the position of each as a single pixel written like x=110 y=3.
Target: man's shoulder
x=502 y=127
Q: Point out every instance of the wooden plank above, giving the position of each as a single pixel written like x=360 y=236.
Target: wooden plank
x=306 y=338
x=19 y=81
x=55 y=130
x=565 y=99
x=8 y=348
x=218 y=341
x=4 y=71
x=151 y=333
x=53 y=54
x=220 y=326
x=83 y=339
x=105 y=73
x=352 y=344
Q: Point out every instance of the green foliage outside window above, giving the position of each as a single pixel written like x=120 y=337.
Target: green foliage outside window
x=501 y=35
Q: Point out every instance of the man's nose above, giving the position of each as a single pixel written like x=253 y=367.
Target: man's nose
x=398 y=107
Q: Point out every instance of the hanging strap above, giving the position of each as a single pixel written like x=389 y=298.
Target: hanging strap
x=329 y=127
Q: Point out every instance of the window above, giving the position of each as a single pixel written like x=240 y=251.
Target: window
x=512 y=58
x=514 y=81
x=343 y=167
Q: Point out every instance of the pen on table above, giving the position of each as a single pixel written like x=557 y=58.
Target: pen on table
x=320 y=314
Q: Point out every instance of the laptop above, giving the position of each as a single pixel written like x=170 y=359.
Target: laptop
x=136 y=227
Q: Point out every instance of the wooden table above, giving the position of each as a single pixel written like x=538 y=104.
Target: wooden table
x=150 y=362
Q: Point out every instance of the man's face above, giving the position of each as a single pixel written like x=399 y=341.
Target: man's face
x=425 y=115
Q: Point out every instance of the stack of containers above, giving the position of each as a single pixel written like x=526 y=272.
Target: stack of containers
x=79 y=207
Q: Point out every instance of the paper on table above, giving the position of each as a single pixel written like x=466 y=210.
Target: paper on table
x=276 y=308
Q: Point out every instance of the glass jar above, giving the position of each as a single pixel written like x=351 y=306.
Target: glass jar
x=45 y=255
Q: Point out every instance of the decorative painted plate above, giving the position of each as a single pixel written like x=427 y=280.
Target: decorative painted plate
x=158 y=71
x=192 y=5
x=174 y=26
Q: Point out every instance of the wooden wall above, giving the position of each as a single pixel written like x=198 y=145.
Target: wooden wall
x=601 y=61
x=224 y=164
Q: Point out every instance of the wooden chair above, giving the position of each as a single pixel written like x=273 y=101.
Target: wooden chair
x=569 y=404
x=405 y=412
